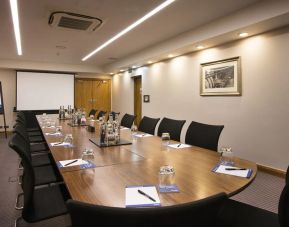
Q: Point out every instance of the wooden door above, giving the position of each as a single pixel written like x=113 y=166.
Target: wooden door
x=137 y=99
x=83 y=94
x=101 y=95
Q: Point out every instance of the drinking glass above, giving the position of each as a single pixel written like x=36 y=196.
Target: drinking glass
x=227 y=155
x=68 y=139
x=133 y=129
x=165 y=138
x=87 y=154
x=166 y=176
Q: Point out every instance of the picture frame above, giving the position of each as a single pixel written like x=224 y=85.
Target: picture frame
x=146 y=98
x=221 y=77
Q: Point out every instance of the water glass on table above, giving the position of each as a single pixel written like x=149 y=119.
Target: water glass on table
x=227 y=156
x=166 y=176
x=68 y=139
x=165 y=138
x=133 y=130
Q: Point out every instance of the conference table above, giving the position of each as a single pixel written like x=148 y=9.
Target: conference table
x=138 y=164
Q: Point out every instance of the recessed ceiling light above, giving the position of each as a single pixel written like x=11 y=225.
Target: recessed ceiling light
x=170 y=55
x=111 y=73
x=200 y=47
x=243 y=34
x=149 y=62
x=15 y=18
x=130 y=27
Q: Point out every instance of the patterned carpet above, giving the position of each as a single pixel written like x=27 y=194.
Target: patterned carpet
x=264 y=192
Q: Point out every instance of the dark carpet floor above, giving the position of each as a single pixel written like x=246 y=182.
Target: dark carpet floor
x=264 y=192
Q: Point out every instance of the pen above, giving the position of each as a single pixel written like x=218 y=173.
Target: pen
x=57 y=143
x=235 y=169
x=146 y=195
x=70 y=162
x=179 y=145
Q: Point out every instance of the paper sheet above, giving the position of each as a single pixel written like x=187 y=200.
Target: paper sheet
x=134 y=199
x=240 y=173
x=58 y=144
x=53 y=134
x=78 y=162
x=143 y=135
x=179 y=145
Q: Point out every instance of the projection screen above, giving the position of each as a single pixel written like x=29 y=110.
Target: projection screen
x=44 y=91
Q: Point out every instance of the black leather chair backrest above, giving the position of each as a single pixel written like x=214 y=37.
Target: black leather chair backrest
x=203 y=135
x=127 y=120
x=283 y=208
x=199 y=213
x=92 y=112
x=101 y=114
x=28 y=178
x=148 y=125
x=20 y=130
x=174 y=127
x=287 y=176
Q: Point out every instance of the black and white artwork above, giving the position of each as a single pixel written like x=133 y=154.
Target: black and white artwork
x=221 y=77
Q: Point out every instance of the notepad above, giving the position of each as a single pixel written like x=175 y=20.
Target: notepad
x=240 y=173
x=58 y=144
x=179 y=145
x=53 y=134
x=134 y=199
x=142 y=135
x=84 y=164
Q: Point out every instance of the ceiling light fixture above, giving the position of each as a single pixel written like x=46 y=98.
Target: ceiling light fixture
x=15 y=19
x=243 y=34
x=149 y=62
x=132 y=26
x=170 y=55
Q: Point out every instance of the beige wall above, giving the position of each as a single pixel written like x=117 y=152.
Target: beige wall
x=256 y=123
x=8 y=79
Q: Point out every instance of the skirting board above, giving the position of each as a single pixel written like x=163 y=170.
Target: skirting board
x=271 y=170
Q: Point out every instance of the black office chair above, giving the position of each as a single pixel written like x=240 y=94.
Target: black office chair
x=174 y=127
x=287 y=176
x=34 y=147
x=39 y=203
x=101 y=114
x=203 y=135
x=127 y=120
x=239 y=214
x=148 y=125
x=30 y=120
x=199 y=213
x=20 y=120
x=44 y=174
x=92 y=112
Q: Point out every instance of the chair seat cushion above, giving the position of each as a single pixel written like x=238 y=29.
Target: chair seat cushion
x=239 y=214
x=47 y=202
x=32 y=129
x=38 y=147
x=41 y=160
x=46 y=175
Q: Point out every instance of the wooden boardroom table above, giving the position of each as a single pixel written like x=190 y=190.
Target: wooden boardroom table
x=138 y=164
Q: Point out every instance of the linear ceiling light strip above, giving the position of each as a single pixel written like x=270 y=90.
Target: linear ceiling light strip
x=132 y=26
x=15 y=18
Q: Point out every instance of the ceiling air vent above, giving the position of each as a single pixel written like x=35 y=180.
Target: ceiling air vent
x=74 y=21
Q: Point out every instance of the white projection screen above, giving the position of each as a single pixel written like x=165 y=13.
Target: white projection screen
x=44 y=91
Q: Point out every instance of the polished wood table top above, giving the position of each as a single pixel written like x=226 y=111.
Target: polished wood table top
x=138 y=164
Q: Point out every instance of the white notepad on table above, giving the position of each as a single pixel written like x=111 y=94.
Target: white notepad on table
x=135 y=199
x=179 y=145
x=65 y=163
x=240 y=173
x=143 y=135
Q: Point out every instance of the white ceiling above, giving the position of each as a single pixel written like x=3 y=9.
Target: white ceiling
x=40 y=41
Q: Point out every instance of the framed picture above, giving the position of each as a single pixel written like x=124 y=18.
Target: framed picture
x=221 y=77
x=146 y=98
